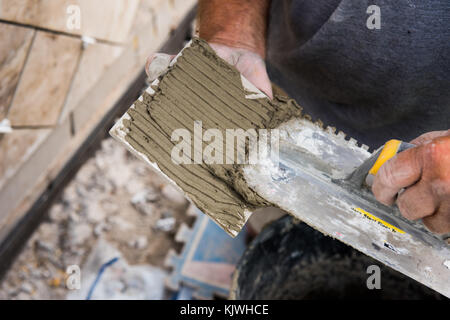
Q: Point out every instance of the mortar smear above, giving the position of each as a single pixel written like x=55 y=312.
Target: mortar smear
x=201 y=86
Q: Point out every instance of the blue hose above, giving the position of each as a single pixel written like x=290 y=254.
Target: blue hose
x=99 y=275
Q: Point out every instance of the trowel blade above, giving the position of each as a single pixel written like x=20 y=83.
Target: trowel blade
x=301 y=183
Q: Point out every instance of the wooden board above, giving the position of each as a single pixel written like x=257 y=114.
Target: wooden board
x=102 y=19
x=39 y=99
x=14 y=45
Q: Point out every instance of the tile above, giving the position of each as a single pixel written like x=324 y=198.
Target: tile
x=14 y=44
x=102 y=19
x=95 y=59
x=45 y=80
x=16 y=148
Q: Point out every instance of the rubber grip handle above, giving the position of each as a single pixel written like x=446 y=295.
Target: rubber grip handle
x=368 y=169
x=389 y=150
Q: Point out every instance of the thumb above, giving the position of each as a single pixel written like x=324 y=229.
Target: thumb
x=250 y=64
x=157 y=64
x=256 y=73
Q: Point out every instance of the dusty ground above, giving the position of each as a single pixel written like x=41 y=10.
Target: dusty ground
x=115 y=196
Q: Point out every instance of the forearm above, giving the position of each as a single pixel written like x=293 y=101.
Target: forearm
x=236 y=23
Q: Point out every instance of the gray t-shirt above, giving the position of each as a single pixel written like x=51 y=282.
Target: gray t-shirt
x=373 y=84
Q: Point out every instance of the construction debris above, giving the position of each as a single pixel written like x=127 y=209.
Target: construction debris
x=204 y=268
x=166 y=223
x=106 y=275
x=126 y=210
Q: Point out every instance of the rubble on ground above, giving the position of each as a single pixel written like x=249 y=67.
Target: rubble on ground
x=114 y=197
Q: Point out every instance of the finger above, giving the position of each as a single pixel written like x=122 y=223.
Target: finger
x=261 y=80
x=440 y=221
x=157 y=64
x=400 y=172
x=417 y=201
x=254 y=69
x=427 y=137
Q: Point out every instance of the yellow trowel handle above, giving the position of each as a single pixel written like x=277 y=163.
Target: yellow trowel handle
x=369 y=168
x=389 y=150
x=386 y=152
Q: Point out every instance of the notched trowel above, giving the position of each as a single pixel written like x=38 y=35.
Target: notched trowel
x=320 y=178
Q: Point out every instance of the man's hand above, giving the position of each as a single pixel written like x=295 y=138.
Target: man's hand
x=249 y=64
x=424 y=173
x=236 y=30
